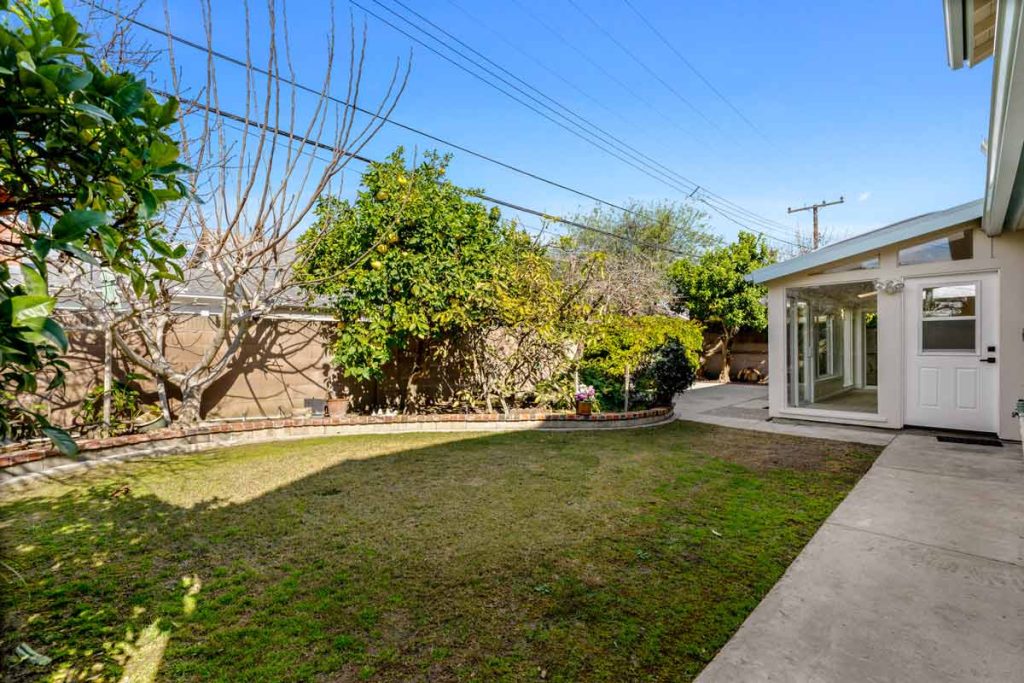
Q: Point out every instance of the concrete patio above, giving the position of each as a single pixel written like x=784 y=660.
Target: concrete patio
x=917 y=576
x=745 y=406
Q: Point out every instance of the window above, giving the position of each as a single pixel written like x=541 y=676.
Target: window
x=866 y=264
x=824 y=340
x=830 y=334
x=948 y=318
x=958 y=247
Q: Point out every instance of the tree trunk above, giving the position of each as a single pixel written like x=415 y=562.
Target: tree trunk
x=409 y=396
x=108 y=376
x=191 y=405
x=625 y=392
x=723 y=376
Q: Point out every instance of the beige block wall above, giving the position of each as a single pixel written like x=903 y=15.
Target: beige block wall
x=749 y=350
x=1003 y=254
x=281 y=363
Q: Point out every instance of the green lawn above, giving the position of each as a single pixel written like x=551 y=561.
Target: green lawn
x=597 y=556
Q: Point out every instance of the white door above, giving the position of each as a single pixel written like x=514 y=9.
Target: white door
x=952 y=354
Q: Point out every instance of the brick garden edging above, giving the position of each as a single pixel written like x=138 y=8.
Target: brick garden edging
x=16 y=463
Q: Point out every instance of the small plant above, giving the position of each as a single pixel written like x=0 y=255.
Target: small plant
x=126 y=407
x=585 y=393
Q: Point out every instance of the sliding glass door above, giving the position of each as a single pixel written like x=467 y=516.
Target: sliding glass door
x=831 y=333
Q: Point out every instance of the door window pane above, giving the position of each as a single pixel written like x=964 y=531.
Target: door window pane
x=948 y=335
x=949 y=301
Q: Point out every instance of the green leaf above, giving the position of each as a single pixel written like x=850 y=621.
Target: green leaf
x=130 y=97
x=76 y=80
x=79 y=253
x=66 y=27
x=55 y=334
x=31 y=310
x=95 y=112
x=61 y=440
x=168 y=113
x=149 y=203
x=34 y=282
x=25 y=61
x=75 y=224
x=162 y=153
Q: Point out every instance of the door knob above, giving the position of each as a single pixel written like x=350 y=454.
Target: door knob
x=988 y=360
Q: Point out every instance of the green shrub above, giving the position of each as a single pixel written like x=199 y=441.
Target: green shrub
x=638 y=344
x=126 y=407
x=671 y=371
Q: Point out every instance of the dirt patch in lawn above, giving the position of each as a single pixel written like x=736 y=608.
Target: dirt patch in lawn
x=761 y=451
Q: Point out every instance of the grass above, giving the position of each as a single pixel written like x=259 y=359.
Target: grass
x=599 y=556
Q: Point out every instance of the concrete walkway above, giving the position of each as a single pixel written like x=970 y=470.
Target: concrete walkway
x=745 y=406
x=917 y=576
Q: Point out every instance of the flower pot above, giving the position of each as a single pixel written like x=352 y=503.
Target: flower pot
x=584 y=407
x=337 y=407
x=150 y=423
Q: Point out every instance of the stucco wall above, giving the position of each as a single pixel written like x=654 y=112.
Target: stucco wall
x=282 y=363
x=749 y=350
x=1003 y=254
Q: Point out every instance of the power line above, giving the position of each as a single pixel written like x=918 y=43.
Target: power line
x=207 y=49
x=318 y=144
x=716 y=199
x=539 y=62
x=651 y=164
x=599 y=143
x=642 y=64
x=305 y=88
x=690 y=66
x=563 y=40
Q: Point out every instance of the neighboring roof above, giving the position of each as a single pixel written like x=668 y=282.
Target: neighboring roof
x=970 y=31
x=872 y=241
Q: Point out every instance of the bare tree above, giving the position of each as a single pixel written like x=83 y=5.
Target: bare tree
x=257 y=178
x=114 y=42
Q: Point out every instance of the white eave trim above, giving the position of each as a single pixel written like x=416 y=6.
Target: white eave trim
x=955 y=36
x=1004 y=181
x=871 y=242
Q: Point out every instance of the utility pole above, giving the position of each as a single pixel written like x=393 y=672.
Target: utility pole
x=814 y=210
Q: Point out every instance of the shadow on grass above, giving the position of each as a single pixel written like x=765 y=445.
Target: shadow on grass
x=537 y=555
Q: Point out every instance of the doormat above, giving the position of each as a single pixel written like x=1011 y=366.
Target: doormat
x=971 y=440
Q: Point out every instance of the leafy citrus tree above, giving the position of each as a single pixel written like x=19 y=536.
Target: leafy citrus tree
x=86 y=161
x=715 y=291
x=406 y=266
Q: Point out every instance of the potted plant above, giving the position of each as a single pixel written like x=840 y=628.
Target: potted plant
x=338 y=406
x=584 y=400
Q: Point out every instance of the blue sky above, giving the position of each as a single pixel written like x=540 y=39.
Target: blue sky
x=850 y=98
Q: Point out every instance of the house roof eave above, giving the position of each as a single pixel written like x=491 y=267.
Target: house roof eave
x=872 y=241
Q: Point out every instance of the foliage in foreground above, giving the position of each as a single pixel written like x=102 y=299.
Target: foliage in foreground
x=567 y=557
x=85 y=164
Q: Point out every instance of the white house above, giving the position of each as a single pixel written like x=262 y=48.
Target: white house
x=920 y=322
